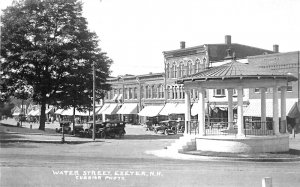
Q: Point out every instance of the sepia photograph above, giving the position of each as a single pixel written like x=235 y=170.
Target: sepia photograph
x=150 y=93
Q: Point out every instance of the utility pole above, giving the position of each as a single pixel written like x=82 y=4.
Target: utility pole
x=94 y=86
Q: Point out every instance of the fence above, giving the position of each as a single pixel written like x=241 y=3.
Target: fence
x=256 y=128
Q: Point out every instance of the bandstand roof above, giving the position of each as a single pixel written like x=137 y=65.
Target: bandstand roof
x=236 y=70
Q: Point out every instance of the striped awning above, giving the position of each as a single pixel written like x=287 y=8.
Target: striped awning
x=150 y=111
x=254 y=108
x=128 y=108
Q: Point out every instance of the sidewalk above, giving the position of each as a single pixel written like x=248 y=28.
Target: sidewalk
x=9 y=132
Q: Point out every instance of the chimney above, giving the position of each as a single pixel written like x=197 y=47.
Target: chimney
x=276 y=48
x=182 y=44
x=228 y=39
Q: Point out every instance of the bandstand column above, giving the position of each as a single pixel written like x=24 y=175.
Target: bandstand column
x=230 y=110
x=201 y=113
x=263 y=108
x=283 y=123
x=188 y=110
x=240 y=116
x=275 y=111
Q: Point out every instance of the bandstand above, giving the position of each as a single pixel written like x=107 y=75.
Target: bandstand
x=236 y=136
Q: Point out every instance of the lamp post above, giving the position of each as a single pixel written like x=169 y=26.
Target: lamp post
x=94 y=86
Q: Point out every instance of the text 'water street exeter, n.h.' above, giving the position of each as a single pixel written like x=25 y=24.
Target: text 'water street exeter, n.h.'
x=117 y=175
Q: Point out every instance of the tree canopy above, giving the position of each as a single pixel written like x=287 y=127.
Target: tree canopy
x=46 y=47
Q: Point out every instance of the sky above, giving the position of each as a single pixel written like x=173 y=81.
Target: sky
x=134 y=33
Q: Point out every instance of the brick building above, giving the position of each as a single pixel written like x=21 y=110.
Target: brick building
x=156 y=94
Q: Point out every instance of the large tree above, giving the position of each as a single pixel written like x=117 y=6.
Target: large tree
x=46 y=45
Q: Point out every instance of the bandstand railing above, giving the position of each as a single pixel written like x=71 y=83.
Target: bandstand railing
x=256 y=128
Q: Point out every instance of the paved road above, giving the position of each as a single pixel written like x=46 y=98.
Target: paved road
x=124 y=163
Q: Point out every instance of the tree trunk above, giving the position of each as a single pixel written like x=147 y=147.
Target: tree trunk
x=73 y=120
x=43 y=116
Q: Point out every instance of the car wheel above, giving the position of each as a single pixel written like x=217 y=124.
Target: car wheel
x=102 y=135
x=120 y=134
x=166 y=132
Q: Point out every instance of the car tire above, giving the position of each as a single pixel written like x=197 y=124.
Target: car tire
x=102 y=135
x=166 y=132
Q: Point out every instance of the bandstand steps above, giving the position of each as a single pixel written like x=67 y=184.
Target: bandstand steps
x=184 y=143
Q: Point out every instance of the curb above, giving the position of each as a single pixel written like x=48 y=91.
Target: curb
x=196 y=157
x=248 y=159
x=47 y=141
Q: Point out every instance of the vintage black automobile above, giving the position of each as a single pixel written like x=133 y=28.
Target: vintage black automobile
x=112 y=129
x=166 y=127
x=88 y=132
x=66 y=125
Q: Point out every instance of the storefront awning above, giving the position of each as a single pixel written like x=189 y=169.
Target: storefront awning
x=111 y=109
x=58 y=111
x=49 y=110
x=115 y=97
x=167 y=109
x=294 y=112
x=128 y=108
x=180 y=108
x=255 y=105
x=36 y=113
x=196 y=108
x=16 y=113
x=151 y=111
x=69 y=112
x=120 y=97
x=104 y=107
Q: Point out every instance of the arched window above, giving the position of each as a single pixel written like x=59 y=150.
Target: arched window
x=161 y=95
x=187 y=69
x=135 y=93
x=168 y=71
x=174 y=71
x=149 y=91
x=179 y=71
x=190 y=67
x=142 y=92
x=154 y=92
x=181 y=68
x=197 y=64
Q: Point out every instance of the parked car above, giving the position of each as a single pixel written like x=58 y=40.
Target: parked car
x=88 y=132
x=112 y=129
x=66 y=125
x=167 y=127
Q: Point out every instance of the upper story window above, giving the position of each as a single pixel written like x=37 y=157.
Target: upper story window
x=142 y=92
x=125 y=93
x=130 y=94
x=219 y=92
x=190 y=67
x=174 y=71
x=135 y=93
x=168 y=71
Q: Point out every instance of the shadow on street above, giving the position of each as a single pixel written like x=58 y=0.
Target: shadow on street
x=151 y=137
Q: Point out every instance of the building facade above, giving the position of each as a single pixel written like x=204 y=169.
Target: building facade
x=161 y=89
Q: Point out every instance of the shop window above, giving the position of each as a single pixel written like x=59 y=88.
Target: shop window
x=219 y=93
